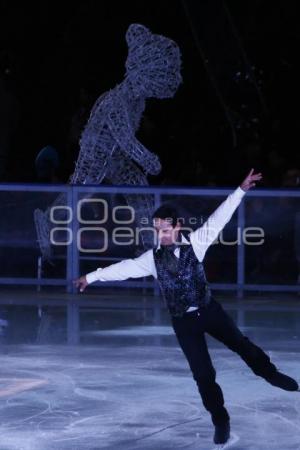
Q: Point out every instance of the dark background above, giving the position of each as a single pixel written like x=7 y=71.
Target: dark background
x=238 y=106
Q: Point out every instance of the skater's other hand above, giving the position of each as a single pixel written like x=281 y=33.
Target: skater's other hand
x=81 y=283
x=250 y=179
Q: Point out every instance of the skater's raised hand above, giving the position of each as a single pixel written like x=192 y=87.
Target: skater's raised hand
x=250 y=179
x=81 y=283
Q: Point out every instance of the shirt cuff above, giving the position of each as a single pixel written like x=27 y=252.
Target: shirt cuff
x=240 y=192
x=92 y=276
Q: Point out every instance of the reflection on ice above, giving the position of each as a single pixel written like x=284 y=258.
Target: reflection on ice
x=129 y=387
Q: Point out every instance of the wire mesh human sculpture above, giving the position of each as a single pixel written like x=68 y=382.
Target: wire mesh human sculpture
x=108 y=146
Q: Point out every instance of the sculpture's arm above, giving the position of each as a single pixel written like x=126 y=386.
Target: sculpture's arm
x=122 y=131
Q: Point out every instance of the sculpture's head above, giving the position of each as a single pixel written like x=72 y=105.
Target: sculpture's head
x=153 y=63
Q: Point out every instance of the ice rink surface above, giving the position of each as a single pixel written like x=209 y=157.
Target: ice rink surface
x=128 y=386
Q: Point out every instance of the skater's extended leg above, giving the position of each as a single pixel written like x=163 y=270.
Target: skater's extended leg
x=222 y=327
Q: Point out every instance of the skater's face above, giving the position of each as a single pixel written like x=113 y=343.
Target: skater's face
x=167 y=234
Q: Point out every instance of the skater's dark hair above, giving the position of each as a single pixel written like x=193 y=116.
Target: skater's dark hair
x=168 y=212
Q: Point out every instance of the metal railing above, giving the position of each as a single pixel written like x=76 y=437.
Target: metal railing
x=73 y=257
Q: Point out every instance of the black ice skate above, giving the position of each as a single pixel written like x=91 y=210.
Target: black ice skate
x=283 y=381
x=222 y=433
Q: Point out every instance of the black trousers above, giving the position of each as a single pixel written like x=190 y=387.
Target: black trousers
x=190 y=331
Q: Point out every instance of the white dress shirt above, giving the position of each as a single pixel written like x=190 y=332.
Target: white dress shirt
x=200 y=239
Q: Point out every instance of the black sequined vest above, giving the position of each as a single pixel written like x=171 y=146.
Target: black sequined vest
x=188 y=287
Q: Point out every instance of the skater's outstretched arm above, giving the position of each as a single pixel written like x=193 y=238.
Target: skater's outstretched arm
x=205 y=235
x=142 y=266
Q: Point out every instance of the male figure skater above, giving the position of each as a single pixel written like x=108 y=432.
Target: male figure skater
x=177 y=265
